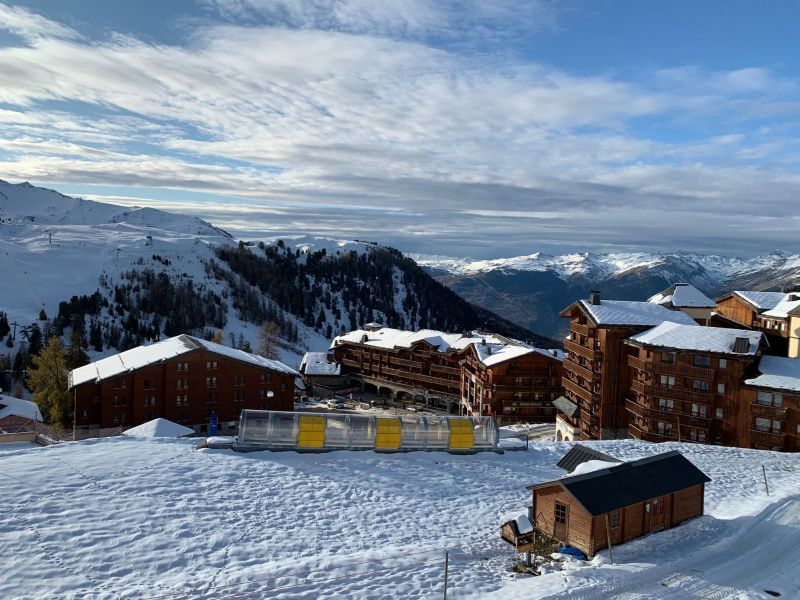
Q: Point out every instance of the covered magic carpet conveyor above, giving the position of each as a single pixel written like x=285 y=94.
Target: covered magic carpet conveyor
x=274 y=430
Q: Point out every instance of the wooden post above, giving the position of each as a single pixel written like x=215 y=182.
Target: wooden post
x=608 y=538
x=766 y=484
x=528 y=556
x=446 y=560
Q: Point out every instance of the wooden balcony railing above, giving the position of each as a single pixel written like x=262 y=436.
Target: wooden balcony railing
x=651 y=436
x=571 y=365
x=587 y=353
x=770 y=412
x=771 y=439
x=670 y=368
x=655 y=391
x=581 y=329
x=678 y=417
x=580 y=391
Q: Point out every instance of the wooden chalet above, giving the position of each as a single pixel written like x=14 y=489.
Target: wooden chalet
x=612 y=505
x=321 y=374
x=686 y=298
x=772 y=398
x=777 y=314
x=183 y=379
x=474 y=373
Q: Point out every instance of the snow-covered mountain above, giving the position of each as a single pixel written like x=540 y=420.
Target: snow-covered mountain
x=127 y=275
x=531 y=290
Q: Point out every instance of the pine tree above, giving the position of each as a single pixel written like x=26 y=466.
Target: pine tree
x=42 y=315
x=48 y=380
x=75 y=356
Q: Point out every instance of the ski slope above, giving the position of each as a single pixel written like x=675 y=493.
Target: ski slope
x=153 y=518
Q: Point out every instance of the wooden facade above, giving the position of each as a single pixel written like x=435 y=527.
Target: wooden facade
x=777 y=327
x=630 y=507
x=520 y=388
x=184 y=389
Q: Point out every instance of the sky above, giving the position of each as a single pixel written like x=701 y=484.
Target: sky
x=475 y=128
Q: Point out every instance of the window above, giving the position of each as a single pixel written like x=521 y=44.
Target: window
x=720 y=388
x=667 y=381
x=665 y=404
x=182 y=400
x=561 y=513
x=120 y=400
x=183 y=415
x=238 y=395
x=211 y=382
x=148 y=415
x=183 y=384
x=668 y=358
x=149 y=384
x=768 y=426
x=517 y=395
x=699 y=410
x=238 y=380
x=211 y=364
x=518 y=381
x=697 y=435
x=702 y=361
x=266 y=377
x=212 y=397
x=664 y=428
x=121 y=383
x=149 y=400
x=283 y=387
x=723 y=363
x=700 y=386
x=720 y=414
x=614 y=519
x=796 y=432
x=770 y=399
x=184 y=366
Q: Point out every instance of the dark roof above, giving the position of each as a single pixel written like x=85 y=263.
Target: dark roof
x=631 y=482
x=580 y=454
x=566 y=406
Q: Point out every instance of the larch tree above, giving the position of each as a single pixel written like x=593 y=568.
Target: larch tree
x=48 y=380
x=268 y=340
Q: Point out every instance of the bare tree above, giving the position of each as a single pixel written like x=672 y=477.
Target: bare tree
x=269 y=340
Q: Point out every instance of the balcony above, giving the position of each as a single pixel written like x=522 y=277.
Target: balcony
x=770 y=412
x=650 y=436
x=570 y=365
x=769 y=438
x=587 y=353
x=581 y=329
x=351 y=363
x=670 y=392
x=579 y=391
x=670 y=368
x=682 y=417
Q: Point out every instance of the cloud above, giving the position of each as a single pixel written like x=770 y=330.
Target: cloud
x=31 y=26
x=364 y=111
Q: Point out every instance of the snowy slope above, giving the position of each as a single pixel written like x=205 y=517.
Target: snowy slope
x=152 y=518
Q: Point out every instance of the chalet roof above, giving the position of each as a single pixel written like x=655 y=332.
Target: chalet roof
x=631 y=313
x=143 y=356
x=490 y=349
x=778 y=373
x=760 y=300
x=629 y=483
x=567 y=406
x=15 y=407
x=781 y=310
x=580 y=454
x=695 y=337
x=317 y=363
x=682 y=295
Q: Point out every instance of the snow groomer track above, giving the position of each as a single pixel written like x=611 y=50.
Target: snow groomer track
x=317 y=432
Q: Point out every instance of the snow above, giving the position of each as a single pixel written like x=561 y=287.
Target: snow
x=142 y=356
x=590 y=466
x=627 y=312
x=158 y=428
x=14 y=407
x=788 y=304
x=524 y=524
x=697 y=337
x=761 y=300
x=778 y=373
x=683 y=295
x=317 y=363
x=152 y=517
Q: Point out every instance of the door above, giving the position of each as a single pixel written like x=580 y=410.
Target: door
x=560 y=522
x=658 y=514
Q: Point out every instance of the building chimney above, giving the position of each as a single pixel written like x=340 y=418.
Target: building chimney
x=594 y=298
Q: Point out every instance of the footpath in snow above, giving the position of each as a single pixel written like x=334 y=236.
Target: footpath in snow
x=154 y=518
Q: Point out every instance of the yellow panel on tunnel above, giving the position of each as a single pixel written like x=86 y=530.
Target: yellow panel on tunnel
x=461 y=435
x=389 y=433
x=311 y=432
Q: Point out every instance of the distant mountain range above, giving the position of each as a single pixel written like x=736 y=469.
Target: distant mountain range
x=531 y=290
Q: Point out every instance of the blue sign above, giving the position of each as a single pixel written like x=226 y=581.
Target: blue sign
x=212 y=423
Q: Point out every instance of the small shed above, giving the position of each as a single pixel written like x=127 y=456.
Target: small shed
x=518 y=532
x=580 y=454
x=619 y=502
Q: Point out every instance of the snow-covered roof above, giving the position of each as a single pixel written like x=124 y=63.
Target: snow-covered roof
x=628 y=312
x=682 y=295
x=14 y=407
x=789 y=303
x=317 y=363
x=159 y=428
x=699 y=338
x=490 y=349
x=142 y=356
x=761 y=300
x=777 y=372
